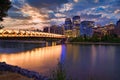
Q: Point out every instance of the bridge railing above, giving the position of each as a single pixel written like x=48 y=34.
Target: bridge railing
x=21 y=33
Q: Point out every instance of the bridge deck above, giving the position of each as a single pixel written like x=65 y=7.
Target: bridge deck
x=28 y=34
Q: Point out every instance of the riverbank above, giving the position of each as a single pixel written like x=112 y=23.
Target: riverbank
x=107 y=39
x=17 y=70
x=94 y=43
x=5 y=75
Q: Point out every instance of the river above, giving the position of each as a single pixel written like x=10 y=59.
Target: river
x=81 y=62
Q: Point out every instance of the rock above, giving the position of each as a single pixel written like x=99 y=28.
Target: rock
x=24 y=72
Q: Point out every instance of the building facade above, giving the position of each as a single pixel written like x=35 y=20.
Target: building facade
x=86 y=28
x=116 y=30
x=76 y=26
x=54 y=29
x=118 y=24
x=68 y=24
x=76 y=21
x=72 y=27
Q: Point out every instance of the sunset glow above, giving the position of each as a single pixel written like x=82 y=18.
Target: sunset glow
x=54 y=12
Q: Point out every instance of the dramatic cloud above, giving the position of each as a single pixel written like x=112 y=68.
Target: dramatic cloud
x=76 y=1
x=34 y=14
x=101 y=11
x=66 y=7
x=50 y=4
x=117 y=11
x=45 y=12
x=89 y=16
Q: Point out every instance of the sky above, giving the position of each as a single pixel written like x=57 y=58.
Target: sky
x=40 y=13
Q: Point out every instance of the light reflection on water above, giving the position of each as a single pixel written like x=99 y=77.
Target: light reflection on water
x=38 y=59
x=81 y=62
x=96 y=62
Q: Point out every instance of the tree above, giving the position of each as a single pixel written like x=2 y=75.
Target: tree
x=1 y=26
x=4 y=7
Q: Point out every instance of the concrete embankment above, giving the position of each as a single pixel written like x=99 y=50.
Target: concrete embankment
x=24 y=72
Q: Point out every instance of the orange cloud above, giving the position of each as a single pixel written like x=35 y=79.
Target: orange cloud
x=35 y=15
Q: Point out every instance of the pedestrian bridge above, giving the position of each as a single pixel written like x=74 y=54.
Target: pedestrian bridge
x=23 y=33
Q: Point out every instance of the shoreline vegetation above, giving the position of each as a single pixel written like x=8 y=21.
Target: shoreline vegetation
x=106 y=39
x=93 y=43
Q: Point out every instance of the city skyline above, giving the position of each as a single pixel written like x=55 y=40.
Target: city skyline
x=44 y=12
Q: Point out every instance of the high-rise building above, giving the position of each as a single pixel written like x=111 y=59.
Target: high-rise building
x=72 y=27
x=68 y=24
x=54 y=29
x=76 y=21
x=86 y=28
x=76 y=26
x=117 y=29
x=46 y=29
x=118 y=24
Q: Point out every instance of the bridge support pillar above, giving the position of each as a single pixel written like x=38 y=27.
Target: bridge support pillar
x=53 y=43
x=46 y=44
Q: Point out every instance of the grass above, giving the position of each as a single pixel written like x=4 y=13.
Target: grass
x=5 y=75
x=59 y=73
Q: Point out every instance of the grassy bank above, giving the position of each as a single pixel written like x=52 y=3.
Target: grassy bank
x=5 y=75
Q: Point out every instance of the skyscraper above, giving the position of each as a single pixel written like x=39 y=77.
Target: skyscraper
x=72 y=27
x=118 y=24
x=76 y=26
x=86 y=28
x=76 y=21
x=68 y=24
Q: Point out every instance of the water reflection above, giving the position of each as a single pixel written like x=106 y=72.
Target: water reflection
x=98 y=62
x=81 y=62
x=38 y=59
x=15 y=47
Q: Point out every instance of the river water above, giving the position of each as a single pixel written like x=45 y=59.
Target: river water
x=81 y=62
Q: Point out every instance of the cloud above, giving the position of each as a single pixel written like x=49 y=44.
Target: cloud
x=117 y=11
x=76 y=1
x=12 y=23
x=57 y=21
x=55 y=11
x=49 y=4
x=18 y=3
x=35 y=14
x=90 y=16
x=26 y=15
x=34 y=11
x=66 y=7
x=59 y=15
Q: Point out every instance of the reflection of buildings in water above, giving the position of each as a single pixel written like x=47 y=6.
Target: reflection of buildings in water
x=39 y=59
x=76 y=55
x=108 y=51
x=73 y=52
x=69 y=51
x=102 y=59
x=102 y=53
x=93 y=55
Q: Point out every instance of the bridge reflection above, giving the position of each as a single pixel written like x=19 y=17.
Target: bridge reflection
x=38 y=59
x=15 y=47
